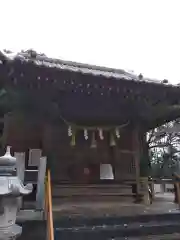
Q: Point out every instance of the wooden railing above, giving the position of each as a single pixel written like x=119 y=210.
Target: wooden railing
x=48 y=208
x=174 y=181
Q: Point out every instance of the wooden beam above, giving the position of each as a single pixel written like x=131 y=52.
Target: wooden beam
x=127 y=151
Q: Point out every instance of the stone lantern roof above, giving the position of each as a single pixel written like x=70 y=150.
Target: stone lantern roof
x=10 y=184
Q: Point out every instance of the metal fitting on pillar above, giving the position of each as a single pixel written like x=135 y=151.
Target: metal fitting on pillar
x=11 y=188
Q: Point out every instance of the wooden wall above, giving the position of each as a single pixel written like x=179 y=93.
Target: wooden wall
x=21 y=134
x=54 y=141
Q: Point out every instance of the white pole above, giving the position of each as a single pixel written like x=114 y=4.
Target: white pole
x=41 y=183
x=20 y=166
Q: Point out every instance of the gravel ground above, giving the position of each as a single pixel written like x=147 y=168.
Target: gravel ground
x=162 y=204
x=153 y=237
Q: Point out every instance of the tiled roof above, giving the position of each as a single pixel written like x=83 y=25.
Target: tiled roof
x=42 y=60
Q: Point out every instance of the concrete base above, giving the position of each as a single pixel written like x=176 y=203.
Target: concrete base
x=28 y=215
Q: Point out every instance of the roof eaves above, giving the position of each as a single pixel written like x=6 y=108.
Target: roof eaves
x=42 y=60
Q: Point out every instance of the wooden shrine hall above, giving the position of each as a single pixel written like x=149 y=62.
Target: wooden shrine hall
x=90 y=122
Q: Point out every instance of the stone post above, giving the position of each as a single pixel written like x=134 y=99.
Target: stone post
x=11 y=188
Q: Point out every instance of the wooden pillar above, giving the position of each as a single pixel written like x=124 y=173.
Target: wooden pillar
x=136 y=156
x=5 y=132
x=178 y=192
x=142 y=193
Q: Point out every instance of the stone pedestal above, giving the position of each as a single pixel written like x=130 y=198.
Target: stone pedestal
x=11 y=232
x=8 y=211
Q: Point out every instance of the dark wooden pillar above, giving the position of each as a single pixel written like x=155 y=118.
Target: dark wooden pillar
x=144 y=167
x=136 y=157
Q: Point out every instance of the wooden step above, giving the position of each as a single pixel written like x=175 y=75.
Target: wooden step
x=91 y=190
x=35 y=230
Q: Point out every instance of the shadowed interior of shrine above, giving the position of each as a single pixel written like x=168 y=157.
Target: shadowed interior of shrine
x=81 y=162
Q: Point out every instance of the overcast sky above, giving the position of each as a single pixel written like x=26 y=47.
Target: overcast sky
x=139 y=35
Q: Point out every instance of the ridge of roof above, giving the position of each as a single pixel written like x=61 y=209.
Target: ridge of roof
x=43 y=60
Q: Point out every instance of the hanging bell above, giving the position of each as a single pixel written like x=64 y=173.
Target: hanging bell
x=112 y=140
x=93 y=143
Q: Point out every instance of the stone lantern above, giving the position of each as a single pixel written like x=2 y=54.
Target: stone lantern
x=11 y=188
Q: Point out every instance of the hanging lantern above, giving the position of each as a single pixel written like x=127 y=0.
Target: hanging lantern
x=85 y=134
x=112 y=140
x=73 y=140
x=101 y=134
x=93 y=143
x=69 y=131
x=117 y=133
